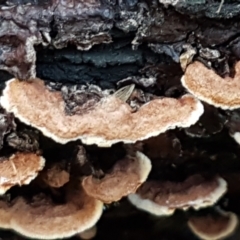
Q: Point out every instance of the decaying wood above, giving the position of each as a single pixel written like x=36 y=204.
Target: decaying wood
x=125 y=47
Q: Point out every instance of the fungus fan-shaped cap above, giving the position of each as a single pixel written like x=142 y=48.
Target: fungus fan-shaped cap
x=209 y=87
x=5 y=215
x=111 y=121
x=164 y=197
x=124 y=178
x=19 y=169
x=88 y=234
x=41 y=218
x=236 y=137
x=214 y=226
x=54 y=176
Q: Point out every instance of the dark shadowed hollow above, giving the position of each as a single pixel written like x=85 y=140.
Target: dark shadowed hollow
x=86 y=50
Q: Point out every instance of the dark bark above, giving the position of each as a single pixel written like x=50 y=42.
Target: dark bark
x=104 y=41
x=60 y=23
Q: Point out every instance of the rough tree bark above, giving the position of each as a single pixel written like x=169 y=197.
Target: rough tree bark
x=104 y=41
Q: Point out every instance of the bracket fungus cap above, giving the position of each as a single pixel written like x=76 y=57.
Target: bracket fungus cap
x=164 y=197
x=125 y=177
x=214 y=227
x=209 y=87
x=236 y=137
x=41 y=218
x=89 y=233
x=54 y=176
x=111 y=121
x=19 y=169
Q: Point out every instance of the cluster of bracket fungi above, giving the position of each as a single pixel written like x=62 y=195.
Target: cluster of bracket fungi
x=136 y=117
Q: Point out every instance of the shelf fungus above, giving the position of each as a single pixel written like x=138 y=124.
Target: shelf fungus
x=124 y=178
x=164 y=197
x=214 y=226
x=55 y=176
x=42 y=218
x=109 y=122
x=236 y=137
x=88 y=234
x=19 y=169
x=209 y=87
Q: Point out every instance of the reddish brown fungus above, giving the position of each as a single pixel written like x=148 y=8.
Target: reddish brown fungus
x=111 y=120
